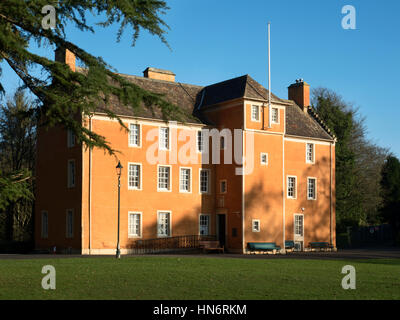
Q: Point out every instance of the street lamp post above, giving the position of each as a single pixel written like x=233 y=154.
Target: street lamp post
x=119 y=169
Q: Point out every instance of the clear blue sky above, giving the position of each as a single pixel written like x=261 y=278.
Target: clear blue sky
x=215 y=40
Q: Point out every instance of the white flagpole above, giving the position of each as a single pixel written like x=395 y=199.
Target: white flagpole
x=269 y=74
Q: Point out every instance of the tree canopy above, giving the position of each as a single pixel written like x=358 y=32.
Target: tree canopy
x=390 y=184
x=61 y=92
x=358 y=161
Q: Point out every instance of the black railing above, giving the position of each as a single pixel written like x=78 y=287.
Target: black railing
x=169 y=244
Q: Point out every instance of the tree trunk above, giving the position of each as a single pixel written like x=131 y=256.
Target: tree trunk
x=10 y=223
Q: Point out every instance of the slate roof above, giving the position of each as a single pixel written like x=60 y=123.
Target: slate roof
x=193 y=99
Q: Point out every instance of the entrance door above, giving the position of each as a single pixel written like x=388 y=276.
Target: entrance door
x=221 y=229
x=299 y=232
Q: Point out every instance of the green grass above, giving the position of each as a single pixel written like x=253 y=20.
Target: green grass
x=156 y=277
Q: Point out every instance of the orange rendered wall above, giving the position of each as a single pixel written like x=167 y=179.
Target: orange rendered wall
x=185 y=207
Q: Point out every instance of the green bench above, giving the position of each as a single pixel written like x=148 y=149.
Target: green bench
x=320 y=245
x=289 y=245
x=263 y=246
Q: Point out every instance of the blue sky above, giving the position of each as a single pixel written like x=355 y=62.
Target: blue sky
x=213 y=41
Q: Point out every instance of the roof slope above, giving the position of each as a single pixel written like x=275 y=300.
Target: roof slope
x=193 y=99
x=182 y=95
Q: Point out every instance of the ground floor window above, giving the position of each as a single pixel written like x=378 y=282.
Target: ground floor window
x=164 y=224
x=70 y=223
x=45 y=224
x=134 y=224
x=204 y=224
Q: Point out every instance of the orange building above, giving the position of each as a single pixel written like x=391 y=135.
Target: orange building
x=235 y=168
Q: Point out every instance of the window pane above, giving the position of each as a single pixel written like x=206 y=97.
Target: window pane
x=185 y=180
x=275 y=115
x=134 y=224
x=311 y=188
x=204 y=225
x=134 y=134
x=199 y=141
x=163 y=224
x=310 y=152
x=255 y=113
x=204 y=176
x=164 y=138
x=291 y=187
x=71 y=173
x=134 y=176
x=163 y=178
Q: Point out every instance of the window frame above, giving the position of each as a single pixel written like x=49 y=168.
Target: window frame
x=313 y=152
x=295 y=187
x=315 y=188
x=208 y=181
x=70 y=138
x=278 y=115
x=44 y=235
x=190 y=180
x=169 y=178
x=199 y=136
x=71 y=178
x=258 y=113
x=220 y=185
x=140 y=175
x=209 y=223
x=131 y=235
x=253 y=229
x=169 y=223
x=261 y=159
x=67 y=234
x=168 y=137
x=139 y=145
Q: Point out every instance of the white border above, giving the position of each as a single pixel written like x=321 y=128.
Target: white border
x=190 y=180
x=287 y=187
x=170 y=178
x=252 y=225
x=132 y=236
x=209 y=181
x=170 y=223
x=140 y=177
x=315 y=191
x=209 y=223
x=129 y=134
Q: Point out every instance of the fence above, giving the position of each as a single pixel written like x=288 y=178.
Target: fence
x=169 y=244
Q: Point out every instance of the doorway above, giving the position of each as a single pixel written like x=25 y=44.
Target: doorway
x=221 y=228
x=299 y=232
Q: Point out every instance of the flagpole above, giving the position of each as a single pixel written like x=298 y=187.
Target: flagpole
x=269 y=74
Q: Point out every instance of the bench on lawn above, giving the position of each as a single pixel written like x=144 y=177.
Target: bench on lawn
x=320 y=245
x=211 y=246
x=289 y=245
x=263 y=246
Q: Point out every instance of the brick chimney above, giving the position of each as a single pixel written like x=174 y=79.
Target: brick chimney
x=299 y=92
x=159 y=74
x=65 y=56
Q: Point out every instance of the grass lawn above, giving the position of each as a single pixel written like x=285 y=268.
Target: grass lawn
x=156 y=277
